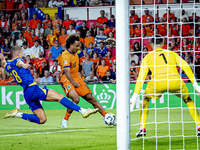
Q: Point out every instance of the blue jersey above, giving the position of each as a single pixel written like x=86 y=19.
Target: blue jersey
x=22 y=76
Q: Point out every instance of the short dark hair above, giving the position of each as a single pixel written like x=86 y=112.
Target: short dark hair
x=133 y=61
x=158 y=40
x=55 y=60
x=84 y=21
x=105 y=23
x=14 y=49
x=24 y=43
x=71 y=39
x=35 y=14
x=36 y=41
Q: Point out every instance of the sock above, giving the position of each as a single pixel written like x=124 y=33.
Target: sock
x=193 y=111
x=31 y=118
x=67 y=115
x=19 y=115
x=82 y=110
x=144 y=113
x=69 y=104
x=103 y=113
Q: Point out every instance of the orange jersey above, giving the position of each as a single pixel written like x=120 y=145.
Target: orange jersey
x=132 y=19
x=45 y=23
x=162 y=29
x=56 y=33
x=101 y=21
x=54 y=22
x=149 y=47
x=68 y=59
x=170 y=14
x=88 y=40
x=38 y=61
x=82 y=40
x=33 y=23
x=62 y=39
x=26 y=35
x=51 y=40
x=144 y=18
x=31 y=40
x=102 y=70
x=149 y=32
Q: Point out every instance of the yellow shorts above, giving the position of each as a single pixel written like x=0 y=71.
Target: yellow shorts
x=155 y=89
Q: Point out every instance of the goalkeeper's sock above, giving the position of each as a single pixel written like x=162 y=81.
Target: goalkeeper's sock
x=103 y=113
x=69 y=104
x=67 y=115
x=193 y=111
x=31 y=118
x=143 y=113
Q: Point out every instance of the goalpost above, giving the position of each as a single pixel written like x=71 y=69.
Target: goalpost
x=124 y=135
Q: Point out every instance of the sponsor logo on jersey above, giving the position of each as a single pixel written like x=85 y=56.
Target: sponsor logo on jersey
x=65 y=62
x=69 y=87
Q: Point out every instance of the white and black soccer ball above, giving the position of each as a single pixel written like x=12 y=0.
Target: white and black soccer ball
x=109 y=119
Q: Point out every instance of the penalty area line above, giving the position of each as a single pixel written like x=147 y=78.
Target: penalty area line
x=44 y=132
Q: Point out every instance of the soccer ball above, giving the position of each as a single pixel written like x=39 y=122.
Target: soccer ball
x=109 y=119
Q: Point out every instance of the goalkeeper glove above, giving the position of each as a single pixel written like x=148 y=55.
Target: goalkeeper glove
x=133 y=101
x=197 y=88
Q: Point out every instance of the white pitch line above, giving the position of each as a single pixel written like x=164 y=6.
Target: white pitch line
x=44 y=132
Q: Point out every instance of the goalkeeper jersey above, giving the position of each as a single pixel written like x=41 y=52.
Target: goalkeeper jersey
x=163 y=65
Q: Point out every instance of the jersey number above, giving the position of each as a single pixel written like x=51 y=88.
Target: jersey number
x=14 y=73
x=163 y=57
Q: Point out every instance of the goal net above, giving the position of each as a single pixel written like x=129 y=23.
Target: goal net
x=169 y=124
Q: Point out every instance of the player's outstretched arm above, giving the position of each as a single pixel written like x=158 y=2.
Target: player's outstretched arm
x=20 y=64
x=3 y=61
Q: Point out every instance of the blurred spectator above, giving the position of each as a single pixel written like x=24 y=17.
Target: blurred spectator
x=15 y=21
x=171 y=15
x=93 y=29
x=20 y=40
x=110 y=40
x=138 y=31
x=23 y=5
x=162 y=28
x=71 y=29
x=107 y=77
x=42 y=69
x=87 y=66
x=1 y=39
x=149 y=29
x=39 y=30
x=51 y=38
x=54 y=69
x=12 y=40
x=31 y=39
x=36 y=49
x=47 y=79
x=90 y=50
x=109 y=59
x=91 y=78
x=16 y=31
x=7 y=33
x=46 y=21
x=146 y=16
x=134 y=57
x=145 y=52
x=148 y=46
x=52 y=3
x=27 y=33
x=67 y=21
x=41 y=3
x=133 y=18
x=43 y=42
x=184 y=15
x=31 y=3
x=24 y=22
x=57 y=31
x=36 y=78
x=185 y=27
x=83 y=29
x=60 y=3
x=133 y=70
x=56 y=20
x=194 y=17
x=81 y=39
x=174 y=28
x=111 y=22
x=113 y=73
x=63 y=37
x=137 y=48
x=55 y=50
x=25 y=48
x=101 y=20
x=101 y=69
x=89 y=39
x=102 y=50
x=28 y=60
x=95 y=60
x=106 y=29
x=33 y=22
x=3 y=22
x=48 y=29
x=39 y=60
x=100 y=38
x=157 y=18
x=171 y=37
x=9 y=5
x=83 y=58
x=5 y=48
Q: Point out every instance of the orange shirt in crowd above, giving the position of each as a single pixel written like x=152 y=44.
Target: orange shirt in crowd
x=109 y=61
x=131 y=31
x=94 y=61
x=101 y=21
x=102 y=70
x=170 y=14
x=174 y=30
x=51 y=40
x=107 y=31
x=132 y=19
x=164 y=46
x=31 y=40
x=14 y=23
x=149 y=47
x=82 y=40
x=37 y=62
x=144 y=18
x=185 y=29
x=56 y=33
x=82 y=59
x=149 y=32
x=45 y=23
x=26 y=35
x=66 y=23
x=62 y=39
x=5 y=24
x=138 y=32
x=54 y=22
x=88 y=40
x=162 y=28
x=33 y=23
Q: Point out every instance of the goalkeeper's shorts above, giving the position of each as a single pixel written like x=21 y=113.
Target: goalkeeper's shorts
x=155 y=89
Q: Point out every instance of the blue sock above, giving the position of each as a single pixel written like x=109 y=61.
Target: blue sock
x=69 y=104
x=31 y=118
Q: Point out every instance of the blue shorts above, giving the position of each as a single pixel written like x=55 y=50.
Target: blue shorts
x=33 y=95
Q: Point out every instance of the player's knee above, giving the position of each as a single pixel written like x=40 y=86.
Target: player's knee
x=76 y=100
x=43 y=120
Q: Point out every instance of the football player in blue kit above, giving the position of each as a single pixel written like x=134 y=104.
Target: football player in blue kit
x=32 y=92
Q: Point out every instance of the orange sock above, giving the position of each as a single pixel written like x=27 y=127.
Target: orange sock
x=67 y=115
x=103 y=113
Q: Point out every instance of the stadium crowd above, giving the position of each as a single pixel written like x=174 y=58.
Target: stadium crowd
x=43 y=41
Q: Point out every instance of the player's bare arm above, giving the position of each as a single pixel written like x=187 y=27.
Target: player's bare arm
x=20 y=64
x=69 y=77
x=3 y=61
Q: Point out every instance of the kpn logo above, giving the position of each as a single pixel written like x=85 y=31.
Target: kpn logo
x=105 y=95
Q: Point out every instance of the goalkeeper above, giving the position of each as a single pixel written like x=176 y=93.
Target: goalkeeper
x=165 y=77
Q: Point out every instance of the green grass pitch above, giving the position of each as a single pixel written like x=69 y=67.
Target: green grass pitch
x=93 y=134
